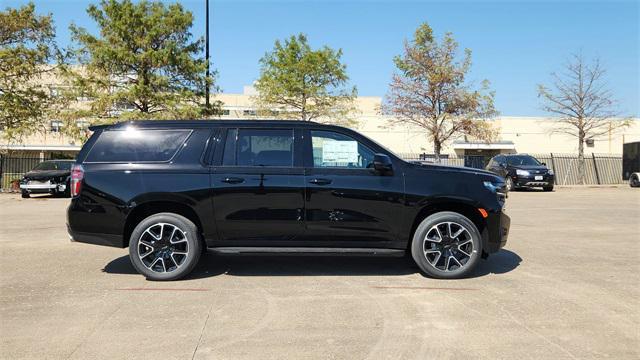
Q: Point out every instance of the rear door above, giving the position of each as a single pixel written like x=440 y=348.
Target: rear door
x=258 y=187
x=348 y=203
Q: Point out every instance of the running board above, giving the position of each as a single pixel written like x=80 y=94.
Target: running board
x=306 y=251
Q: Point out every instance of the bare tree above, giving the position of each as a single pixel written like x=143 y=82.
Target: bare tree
x=585 y=106
x=430 y=91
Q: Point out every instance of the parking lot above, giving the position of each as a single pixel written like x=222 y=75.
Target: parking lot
x=566 y=286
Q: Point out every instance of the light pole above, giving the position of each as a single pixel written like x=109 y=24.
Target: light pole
x=206 y=90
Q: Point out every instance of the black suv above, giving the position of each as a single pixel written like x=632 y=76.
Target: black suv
x=170 y=189
x=522 y=171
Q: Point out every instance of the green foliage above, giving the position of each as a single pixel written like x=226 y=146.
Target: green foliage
x=430 y=91
x=300 y=83
x=144 y=64
x=26 y=50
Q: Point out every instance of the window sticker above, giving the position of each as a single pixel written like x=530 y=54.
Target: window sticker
x=339 y=151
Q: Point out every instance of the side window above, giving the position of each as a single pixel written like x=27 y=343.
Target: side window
x=229 y=154
x=332 y=149
x=132 y=144
x=259 y=147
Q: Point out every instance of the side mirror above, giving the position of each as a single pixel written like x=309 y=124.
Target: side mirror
x=382 y=163
x=544 y=164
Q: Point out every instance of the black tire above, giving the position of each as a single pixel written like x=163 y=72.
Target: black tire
x=634 y=181
x=67 y=190
x=25 y=194
x=420 y=244
x=192 y=246
x=509 y=183
x=548 y=188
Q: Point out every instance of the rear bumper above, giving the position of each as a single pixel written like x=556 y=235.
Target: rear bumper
x=496 y=232
x=95 y=239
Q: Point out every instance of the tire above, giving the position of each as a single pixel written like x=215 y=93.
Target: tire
x=465 y=248
x=171 y=243
x=634 y=181
x=25 y=194
x=548 y=188
x=67 y=190
x=509 y=183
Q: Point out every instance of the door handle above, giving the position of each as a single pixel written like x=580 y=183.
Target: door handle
x=320 y=181
x=233 y=180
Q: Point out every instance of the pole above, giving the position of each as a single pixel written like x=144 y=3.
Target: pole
x=207 y=56
x=595 y=167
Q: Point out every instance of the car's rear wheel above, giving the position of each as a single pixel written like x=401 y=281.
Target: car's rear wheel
x=634 y=180
x=165 y=246
x=25 y=194
x=446 y=245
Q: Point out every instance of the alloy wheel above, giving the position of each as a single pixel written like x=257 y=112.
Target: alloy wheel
x=163 y=247
x=448 y=246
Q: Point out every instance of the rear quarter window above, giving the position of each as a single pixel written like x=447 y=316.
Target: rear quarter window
x=137 y=145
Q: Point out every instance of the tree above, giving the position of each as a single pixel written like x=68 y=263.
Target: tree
x=27 y=53
x=304 y=84
x=430 y=91
x=143 y=65
x=585 y=106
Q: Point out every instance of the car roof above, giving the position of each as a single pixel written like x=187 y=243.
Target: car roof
x=210 y=123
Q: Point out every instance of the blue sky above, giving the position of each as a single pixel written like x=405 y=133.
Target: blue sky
x=515 y=44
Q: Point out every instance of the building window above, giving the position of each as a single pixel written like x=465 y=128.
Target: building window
x=82 y=124
x=249 y=113
x=226 y=112
x=56 y=125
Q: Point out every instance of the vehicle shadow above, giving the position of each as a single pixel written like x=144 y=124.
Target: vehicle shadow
x=212 y=265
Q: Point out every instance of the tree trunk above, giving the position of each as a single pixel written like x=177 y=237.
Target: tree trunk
x=437 y=146
x=581 y=168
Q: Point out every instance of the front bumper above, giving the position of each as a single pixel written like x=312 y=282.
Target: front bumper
x=496 y=232
x=531 y=181
x=43 y=187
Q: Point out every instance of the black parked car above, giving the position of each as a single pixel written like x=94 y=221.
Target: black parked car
x=170 y=189
x=48 y=177
x=522 y=171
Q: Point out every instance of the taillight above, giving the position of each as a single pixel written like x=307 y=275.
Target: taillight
x=77 y=174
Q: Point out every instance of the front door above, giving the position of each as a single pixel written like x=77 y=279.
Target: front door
x=258 y=192
x=348 y=203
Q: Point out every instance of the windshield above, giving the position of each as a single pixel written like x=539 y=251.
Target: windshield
x=53 y=165
x=522 y=160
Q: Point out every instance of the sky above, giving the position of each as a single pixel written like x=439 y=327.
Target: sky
x=515 y=44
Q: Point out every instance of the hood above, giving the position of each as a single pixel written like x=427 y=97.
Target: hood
x=457 y=169
x=46 y=174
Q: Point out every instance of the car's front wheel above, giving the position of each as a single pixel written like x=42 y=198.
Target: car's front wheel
x=446 y=245
x=634 y=180
x=508 y=183
x=165 y=246
x=25 y=194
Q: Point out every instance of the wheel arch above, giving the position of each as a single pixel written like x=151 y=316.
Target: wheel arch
x=144 y=210
x=469 y=211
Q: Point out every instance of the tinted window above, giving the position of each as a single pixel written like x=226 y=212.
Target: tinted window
x=132 y=145
x=230 y=148
x=258 y=147
x=522 y=160
x=332 y=149
x=63 y=165
x=47 y=165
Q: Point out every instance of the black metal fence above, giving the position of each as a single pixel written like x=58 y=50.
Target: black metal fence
x=600 y=168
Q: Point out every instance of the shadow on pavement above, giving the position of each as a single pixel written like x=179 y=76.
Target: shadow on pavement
x=213 y=265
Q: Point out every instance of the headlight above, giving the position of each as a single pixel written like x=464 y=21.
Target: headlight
x=550 y=172
x=522 y=172
x=497 y=188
